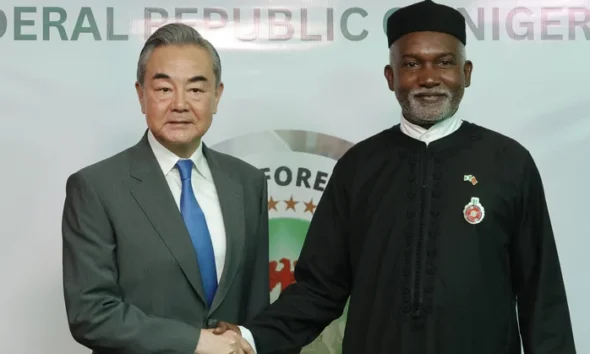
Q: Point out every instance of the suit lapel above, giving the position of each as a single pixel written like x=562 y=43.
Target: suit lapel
x=230 y=196
x=151 y=191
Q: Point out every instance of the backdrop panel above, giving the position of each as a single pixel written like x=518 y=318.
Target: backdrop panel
x=304 y=81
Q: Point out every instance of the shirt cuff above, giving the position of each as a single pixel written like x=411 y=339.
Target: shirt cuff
x=248 y=337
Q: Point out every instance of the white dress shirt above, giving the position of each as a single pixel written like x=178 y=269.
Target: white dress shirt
x=204 y=189
x=437 y=131
x=206 y=194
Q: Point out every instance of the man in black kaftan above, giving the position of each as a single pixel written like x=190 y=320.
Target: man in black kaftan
x=436 y=228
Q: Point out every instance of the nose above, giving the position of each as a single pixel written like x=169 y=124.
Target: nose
x=429 y=77
x=180 y=104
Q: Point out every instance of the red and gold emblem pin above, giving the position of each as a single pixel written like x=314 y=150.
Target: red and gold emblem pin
x=474 y=211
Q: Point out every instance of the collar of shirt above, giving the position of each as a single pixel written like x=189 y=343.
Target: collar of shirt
x=167 y=159
x=437 y=131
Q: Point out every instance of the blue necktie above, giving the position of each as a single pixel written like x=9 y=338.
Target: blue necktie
x=196 y=225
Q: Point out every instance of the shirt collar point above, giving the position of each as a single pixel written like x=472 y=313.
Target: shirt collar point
x=167 y=159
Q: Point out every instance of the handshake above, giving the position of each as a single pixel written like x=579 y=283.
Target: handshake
x=226 y=338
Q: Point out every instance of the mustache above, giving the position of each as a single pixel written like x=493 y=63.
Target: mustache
x=430 y=92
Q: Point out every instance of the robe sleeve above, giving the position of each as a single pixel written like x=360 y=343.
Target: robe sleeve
x=322 y=280
x=544 y=318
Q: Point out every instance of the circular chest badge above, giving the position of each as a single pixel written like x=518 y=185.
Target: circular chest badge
x=474 y=211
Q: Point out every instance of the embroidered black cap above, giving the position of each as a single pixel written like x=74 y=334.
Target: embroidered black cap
x=426 y=16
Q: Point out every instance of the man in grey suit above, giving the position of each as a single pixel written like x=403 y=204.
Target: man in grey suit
x=165 y=239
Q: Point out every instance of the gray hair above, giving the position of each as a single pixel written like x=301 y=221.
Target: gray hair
x=176 y=34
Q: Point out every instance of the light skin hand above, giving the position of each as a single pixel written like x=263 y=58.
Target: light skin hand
x=222 y=327
x=226 y=343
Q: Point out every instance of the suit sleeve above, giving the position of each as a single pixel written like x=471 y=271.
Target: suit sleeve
x=322 y=281
x=259 y=297
x=544 y=316
x=97 y=314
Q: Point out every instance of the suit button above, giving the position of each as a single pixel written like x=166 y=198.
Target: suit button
x=211 y=323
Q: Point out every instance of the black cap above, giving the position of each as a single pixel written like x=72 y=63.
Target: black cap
x=426 y=16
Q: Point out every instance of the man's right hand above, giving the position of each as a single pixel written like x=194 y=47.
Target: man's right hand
x=223 y=326
x=226 y=343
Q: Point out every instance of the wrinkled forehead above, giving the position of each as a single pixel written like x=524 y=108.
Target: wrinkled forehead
x=426 y=44
x=180 y=63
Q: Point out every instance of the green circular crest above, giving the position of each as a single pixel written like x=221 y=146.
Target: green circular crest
x=298 y=165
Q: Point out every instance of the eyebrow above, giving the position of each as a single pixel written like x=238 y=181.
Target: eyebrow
x=196 y=78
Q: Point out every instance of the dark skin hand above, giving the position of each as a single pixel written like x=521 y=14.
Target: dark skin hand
x=222 y=327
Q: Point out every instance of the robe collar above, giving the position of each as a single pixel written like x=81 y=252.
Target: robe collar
x=437 y=131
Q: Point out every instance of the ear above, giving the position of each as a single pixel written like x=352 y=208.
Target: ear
x=467 y=69
x=388 y=73
x=139 y=90
x=218 y=94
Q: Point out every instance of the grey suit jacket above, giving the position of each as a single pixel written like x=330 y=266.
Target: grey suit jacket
x=130 y=274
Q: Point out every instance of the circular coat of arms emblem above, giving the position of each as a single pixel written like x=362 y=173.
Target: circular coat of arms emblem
x=298 y=166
